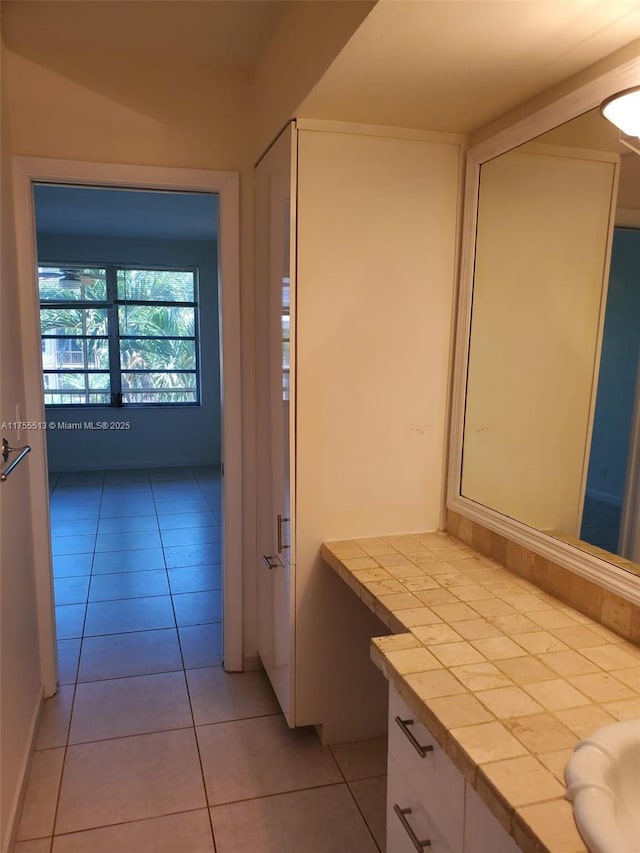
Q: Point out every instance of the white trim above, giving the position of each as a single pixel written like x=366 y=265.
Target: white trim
x=585 y=98
x=15 y=809
x=27 y=170
x=616 y=580
x=390 y=131
x=570 y=106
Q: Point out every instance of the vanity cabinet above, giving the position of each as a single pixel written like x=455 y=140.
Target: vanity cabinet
x=356 y=233
x=428 y=799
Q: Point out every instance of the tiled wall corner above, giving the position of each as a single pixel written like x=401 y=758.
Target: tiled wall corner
x=615 y=613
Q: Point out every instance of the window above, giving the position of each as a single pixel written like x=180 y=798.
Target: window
x=113 y=335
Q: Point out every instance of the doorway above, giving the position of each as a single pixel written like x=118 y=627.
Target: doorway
x=128 y=287
x=28 y=174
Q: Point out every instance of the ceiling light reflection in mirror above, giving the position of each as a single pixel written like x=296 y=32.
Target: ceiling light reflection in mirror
x=552 y=408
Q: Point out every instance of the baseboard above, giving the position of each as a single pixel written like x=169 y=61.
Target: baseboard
x=16 y=808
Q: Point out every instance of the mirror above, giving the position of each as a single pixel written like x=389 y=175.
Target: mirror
x=551 y=434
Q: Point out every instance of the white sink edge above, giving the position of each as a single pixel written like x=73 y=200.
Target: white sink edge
x=594 y=802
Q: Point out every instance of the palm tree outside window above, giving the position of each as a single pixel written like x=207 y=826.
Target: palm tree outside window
x=117 y=335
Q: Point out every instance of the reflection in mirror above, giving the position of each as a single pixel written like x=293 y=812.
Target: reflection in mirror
x=551 y=434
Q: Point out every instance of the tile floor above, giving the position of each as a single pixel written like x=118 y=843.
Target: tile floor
x=149 y=746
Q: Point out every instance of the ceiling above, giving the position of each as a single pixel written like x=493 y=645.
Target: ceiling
x=223 y=32
x=96 y=212
x=457 y=65
x=452 y=65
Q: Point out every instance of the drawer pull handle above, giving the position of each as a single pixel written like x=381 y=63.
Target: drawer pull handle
x=270 y=562
x=402 y=816
x=419 y=748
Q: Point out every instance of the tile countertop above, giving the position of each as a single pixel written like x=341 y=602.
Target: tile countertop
x=507 y=678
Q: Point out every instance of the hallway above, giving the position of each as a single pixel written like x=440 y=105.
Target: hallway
x=147 y=729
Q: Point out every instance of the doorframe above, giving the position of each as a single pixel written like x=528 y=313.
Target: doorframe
x=30 y=170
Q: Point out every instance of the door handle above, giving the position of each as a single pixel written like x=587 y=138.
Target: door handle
x=415 y=743
x=270 y=562
x=402 y=817
x=281 y=521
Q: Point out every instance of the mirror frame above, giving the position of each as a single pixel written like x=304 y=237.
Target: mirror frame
x=570 y=106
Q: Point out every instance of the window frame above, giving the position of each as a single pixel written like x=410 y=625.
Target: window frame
x=114 y=336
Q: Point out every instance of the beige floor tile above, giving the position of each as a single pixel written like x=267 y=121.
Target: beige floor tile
x=362 y=759
x=68 y=657
x=55 y=719
x=371 y=797
x=130 y=706
x=124 y=779
x=129 y=614
x=201 y=645
x=189 y=832
x=262 y=756
x=218 y=696
x=121 y=655
x=321 y=820
x=38 y=811
x=40 y=845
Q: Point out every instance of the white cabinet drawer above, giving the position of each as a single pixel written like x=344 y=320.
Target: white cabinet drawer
x=482 y=831
x=431 y=774
x=405 y=831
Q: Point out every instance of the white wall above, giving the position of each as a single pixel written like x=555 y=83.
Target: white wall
x=196 y=430
x=20 y=663
x=377 y=238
